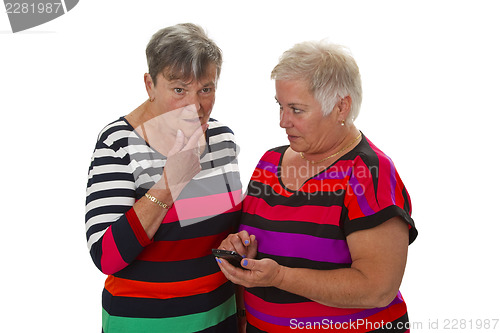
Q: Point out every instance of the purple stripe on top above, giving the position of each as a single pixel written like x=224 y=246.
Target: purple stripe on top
x=393 y=181
x=335 y=319
x=301 y=246
x=271 y=167
x=359 y=191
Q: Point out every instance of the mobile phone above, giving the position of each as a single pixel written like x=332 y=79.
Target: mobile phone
x=231 y=256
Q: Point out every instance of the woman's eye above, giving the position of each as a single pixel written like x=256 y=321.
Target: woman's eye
x=206 y=90
x=296 y=110
x=178 y=90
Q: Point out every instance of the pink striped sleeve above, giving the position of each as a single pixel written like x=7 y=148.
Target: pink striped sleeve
x=111 y=260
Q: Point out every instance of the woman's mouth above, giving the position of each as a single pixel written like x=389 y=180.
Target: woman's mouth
x=193 y=120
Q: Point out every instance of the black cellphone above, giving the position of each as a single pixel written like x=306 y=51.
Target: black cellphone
x=231 y=256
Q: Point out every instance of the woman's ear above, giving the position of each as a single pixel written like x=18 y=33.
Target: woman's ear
x=345 y=106
x=148 y=82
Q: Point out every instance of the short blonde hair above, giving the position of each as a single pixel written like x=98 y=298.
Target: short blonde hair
x=330 y=70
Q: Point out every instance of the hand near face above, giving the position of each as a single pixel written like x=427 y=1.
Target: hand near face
x=183 y=161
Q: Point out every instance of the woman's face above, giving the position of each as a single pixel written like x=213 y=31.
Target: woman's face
x=183 y=105
x=301 y=116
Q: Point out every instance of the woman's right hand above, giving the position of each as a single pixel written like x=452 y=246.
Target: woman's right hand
x=243 y=243
x=183 y=161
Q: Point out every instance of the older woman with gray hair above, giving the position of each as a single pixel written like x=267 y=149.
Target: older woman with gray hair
x=326 y=221
x=163 y=190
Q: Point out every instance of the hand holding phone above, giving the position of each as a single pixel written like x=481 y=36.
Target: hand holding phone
x=231 y=256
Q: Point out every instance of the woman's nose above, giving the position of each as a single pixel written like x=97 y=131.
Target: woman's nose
x=192 y=108
x=195 y=102
x=284 y=119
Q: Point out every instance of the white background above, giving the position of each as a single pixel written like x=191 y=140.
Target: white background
x=430 y=73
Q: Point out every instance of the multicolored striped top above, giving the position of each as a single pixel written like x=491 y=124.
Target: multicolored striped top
x=308 y=228
x=171 y=283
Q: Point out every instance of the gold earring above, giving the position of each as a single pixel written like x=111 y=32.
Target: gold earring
x=343 y=123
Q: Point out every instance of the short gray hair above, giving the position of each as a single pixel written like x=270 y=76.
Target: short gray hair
x=184 y=50
x=329 y=69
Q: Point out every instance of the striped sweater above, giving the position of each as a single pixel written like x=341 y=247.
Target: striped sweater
x=308 y=228
x=170 y=283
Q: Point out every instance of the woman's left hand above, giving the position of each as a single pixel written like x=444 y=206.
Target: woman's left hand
x=258 y=273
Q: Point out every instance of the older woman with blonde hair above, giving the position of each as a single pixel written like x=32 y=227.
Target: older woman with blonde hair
x=326 y=221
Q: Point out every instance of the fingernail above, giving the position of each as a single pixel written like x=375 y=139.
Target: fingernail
x=245 y=262
x=244 y=256
x=218 y=260
x=247 y=242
